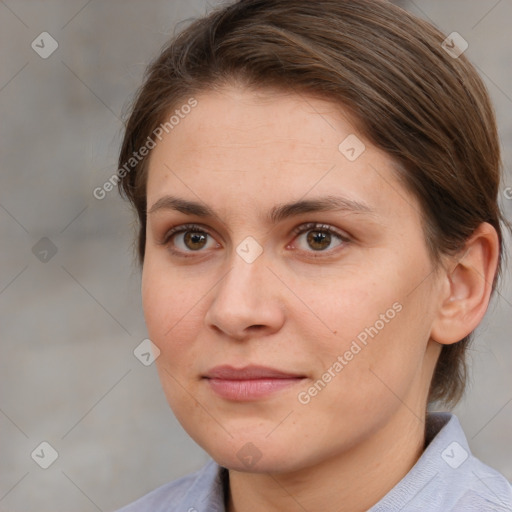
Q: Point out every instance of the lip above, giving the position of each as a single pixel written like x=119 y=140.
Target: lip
x=250 y=382
x=227 y=372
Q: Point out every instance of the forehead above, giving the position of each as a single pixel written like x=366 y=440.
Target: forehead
x=242 y=147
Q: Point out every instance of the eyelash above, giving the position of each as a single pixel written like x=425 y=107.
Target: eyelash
x=303 y=228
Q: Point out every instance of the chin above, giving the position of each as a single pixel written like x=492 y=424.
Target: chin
x=257 y=456
x=263 y=465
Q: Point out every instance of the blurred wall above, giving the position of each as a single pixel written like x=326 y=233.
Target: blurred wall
x=69 y=288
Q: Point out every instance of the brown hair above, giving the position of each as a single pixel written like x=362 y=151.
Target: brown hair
x=426 y=109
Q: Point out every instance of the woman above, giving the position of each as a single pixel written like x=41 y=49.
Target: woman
x=316 y=184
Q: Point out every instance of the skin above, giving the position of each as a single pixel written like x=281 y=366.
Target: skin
x=295 y=308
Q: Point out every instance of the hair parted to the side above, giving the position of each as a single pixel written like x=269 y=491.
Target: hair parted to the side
x=428 y=111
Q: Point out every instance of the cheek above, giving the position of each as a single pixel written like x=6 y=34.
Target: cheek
x=351 y=305
x=153 y=303
x=378 y=327
x=162 y=295
x=174 y=315
x=170 y=329
x=163 y=305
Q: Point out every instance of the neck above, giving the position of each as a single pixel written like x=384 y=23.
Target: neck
x=354 y=480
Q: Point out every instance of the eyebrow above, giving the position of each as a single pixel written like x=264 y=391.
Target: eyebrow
x=276 y=214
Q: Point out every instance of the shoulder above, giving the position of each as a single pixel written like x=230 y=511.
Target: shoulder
x=448 y=477
x=482 y=489
x=472 y=484
x=188 y=492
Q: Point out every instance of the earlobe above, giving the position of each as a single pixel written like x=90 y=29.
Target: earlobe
x=467 y=287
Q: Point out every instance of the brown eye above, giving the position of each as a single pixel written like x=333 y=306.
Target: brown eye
x=320 y=237
x=188 y=238
x=194 y=240
x=318 y=240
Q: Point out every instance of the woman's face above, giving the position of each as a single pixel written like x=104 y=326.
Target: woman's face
x=339 y=320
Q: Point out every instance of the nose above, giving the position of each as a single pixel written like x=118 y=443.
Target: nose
x=247 y=301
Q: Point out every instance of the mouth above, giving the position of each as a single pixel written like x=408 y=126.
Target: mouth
x=250 y=382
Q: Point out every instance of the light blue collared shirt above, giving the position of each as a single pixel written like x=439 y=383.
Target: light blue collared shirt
x=446 y=478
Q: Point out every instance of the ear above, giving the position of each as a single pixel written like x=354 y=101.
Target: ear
x=467 y=286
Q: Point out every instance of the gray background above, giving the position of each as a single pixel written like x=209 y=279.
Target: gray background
x=69 y=325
